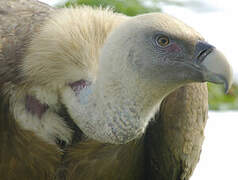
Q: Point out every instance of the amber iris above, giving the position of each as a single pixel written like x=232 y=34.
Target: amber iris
x=163 y=41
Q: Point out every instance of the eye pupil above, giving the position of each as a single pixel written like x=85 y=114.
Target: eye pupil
x=163 y=41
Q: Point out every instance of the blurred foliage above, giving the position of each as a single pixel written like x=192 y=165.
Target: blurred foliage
x=128 y=7
x=217 y=99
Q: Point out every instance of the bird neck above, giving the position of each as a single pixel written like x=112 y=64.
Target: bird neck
x=128 y=96
x=119 y=109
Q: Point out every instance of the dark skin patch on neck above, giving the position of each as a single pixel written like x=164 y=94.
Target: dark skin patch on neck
x=77 y=86
x=35 y=107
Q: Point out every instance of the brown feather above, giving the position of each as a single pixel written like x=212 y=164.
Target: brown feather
x=19 y=20
x=90 y=160
x=174 y=139
x=22 y=154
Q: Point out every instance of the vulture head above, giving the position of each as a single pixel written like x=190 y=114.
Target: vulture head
x=139 y=62
x=162 y=53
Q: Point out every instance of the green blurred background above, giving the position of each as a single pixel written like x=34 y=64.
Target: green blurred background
x=217 y=99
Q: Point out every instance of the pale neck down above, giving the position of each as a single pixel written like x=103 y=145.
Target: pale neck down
x=116 y=108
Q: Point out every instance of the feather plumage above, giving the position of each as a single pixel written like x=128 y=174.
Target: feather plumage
x=44 y=50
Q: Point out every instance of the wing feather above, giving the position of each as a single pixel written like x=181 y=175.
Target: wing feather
x=174 y=139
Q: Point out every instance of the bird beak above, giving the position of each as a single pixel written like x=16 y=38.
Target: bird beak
x=214 y=65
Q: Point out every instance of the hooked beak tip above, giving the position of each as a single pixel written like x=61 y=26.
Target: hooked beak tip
x=217 y=69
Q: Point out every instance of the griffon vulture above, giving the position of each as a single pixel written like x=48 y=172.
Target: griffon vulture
x=88 y=94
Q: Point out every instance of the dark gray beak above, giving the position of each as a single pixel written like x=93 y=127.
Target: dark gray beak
x=214 y=65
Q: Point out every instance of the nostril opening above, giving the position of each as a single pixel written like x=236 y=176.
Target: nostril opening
x=202 y=49
x=203 y=54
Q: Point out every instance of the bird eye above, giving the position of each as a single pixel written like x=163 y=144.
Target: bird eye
x=162 y=41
